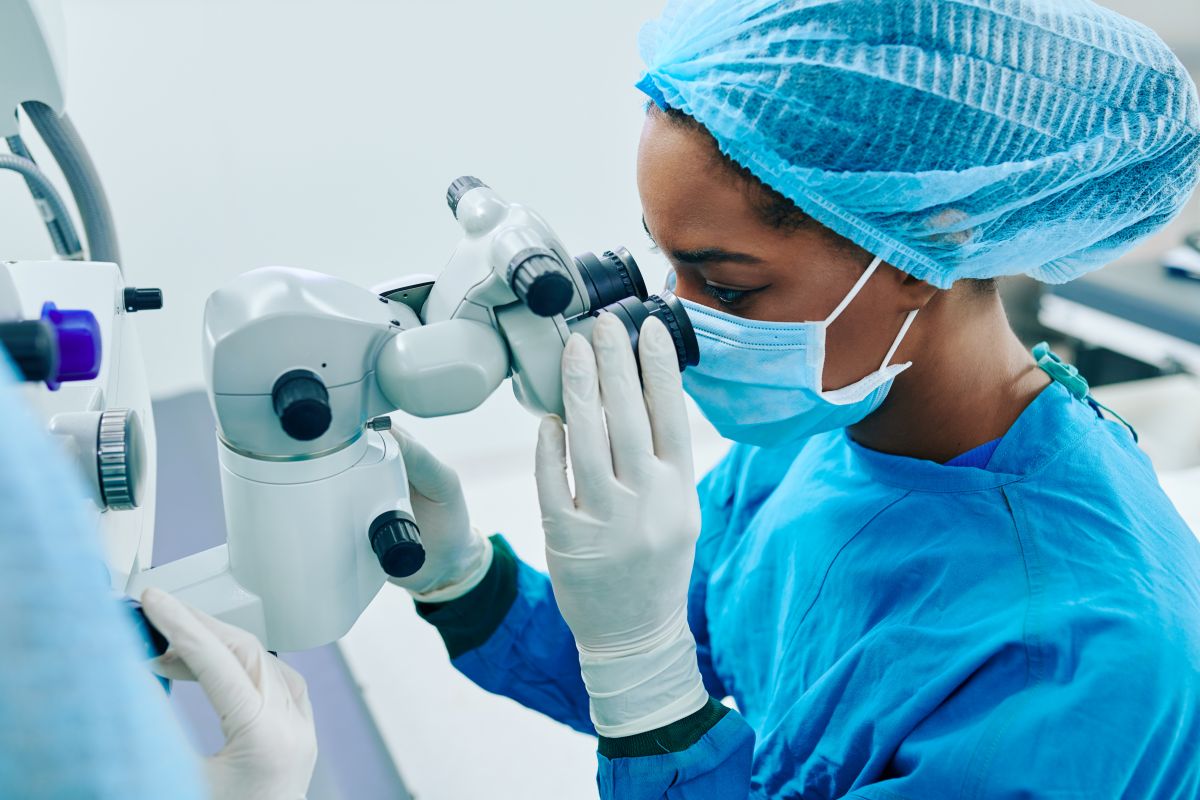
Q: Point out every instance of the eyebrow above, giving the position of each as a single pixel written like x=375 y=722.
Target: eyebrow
x=707 y=255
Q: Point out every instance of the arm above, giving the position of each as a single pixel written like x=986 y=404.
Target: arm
x=706 y=756
x=496 y=615
x=508 y=636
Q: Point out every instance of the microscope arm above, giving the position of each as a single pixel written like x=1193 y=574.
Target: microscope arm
x=445 y=368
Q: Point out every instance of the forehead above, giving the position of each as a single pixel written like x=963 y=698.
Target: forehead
x=683 y=180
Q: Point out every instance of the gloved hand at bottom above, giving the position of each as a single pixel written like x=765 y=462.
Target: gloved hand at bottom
x=620 y=550
x=270 y=740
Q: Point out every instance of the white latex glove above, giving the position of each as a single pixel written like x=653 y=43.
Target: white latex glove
x=270 y=741
x=457 y=557
x=620 y=550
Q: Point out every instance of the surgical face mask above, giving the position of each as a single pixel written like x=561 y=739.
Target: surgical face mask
x=760 y=382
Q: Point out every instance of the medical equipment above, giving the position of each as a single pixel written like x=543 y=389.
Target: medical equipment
x=1183 y=261
x=301 y=367
x=65 y=324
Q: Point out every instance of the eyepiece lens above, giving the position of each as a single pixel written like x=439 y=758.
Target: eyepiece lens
x=610 y=277
x=670 y=312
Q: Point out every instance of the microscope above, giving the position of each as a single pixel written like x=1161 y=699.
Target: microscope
x=302 y=369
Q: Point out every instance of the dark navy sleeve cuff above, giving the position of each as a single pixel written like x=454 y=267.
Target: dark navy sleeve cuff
x=673 y=738
x=468 y=621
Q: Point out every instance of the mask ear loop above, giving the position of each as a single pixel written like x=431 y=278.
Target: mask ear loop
x=854 y=290
x=908 y=321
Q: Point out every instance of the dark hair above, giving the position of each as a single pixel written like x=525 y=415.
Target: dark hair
x=773 y=208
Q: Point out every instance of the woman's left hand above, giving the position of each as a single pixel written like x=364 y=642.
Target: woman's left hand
x=620 y=550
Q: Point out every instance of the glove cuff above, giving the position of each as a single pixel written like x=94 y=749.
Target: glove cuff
x=476 y=570
x=632 y=694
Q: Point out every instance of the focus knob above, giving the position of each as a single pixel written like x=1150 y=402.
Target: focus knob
x=397 y=543
x=120 y=459
x=537 y=279
x=302 y=404
x=458 y=188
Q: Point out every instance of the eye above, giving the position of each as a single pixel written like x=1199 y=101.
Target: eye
x=726 y=297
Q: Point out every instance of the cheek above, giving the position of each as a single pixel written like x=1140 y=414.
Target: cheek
x=857 y=341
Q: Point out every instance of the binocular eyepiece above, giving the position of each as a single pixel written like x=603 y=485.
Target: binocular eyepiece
x=615 y=286
x=546 y=285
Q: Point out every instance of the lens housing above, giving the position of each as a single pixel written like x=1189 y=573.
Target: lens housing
x=610 y=277
x=633 y=311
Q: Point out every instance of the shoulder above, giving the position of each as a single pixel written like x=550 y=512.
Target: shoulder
x=1097 y=519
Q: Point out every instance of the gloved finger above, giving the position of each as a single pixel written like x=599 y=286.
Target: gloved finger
x=245 y=646
x=217 y=670
x=426 y=473
x=171 y=667
x=297 y=687
x=663 y=389
x=591 y=459
x=621 y=396
x=550 y=469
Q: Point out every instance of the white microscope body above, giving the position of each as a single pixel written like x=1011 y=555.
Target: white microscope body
x=301 y=367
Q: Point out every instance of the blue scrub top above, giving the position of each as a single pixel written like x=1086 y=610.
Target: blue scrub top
x=898 y=629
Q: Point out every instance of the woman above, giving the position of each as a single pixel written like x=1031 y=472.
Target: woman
x=930 y=566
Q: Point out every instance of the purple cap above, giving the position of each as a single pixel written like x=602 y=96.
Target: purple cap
x=78 y=334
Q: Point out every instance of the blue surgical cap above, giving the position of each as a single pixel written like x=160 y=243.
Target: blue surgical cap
x=953 y=138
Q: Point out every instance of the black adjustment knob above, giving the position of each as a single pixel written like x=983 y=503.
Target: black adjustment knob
x=33 y=346
x=397 y=543
x=143 y=299
x=537 y=279
x=302 y=404
x=459 y=187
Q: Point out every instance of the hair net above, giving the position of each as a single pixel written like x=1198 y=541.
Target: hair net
x=953 y=138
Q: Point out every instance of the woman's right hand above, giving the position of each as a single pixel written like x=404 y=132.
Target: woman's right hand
x=456 y=555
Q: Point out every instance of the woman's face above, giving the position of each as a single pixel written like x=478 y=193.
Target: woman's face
x=705 y=219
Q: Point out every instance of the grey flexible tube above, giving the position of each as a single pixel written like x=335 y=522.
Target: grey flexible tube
x=34 y=177
x=64 y=144
x=58 y=224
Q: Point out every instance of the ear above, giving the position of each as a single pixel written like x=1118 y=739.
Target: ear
x=912 y=292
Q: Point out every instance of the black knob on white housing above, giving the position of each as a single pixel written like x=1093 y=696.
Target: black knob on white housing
x=302 y=404
x=537 y=277
x=397 y=543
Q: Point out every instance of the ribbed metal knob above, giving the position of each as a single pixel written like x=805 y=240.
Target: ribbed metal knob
x=120 y=459
x=458 y=188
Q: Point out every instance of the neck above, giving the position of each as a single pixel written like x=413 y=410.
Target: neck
x=970 y=380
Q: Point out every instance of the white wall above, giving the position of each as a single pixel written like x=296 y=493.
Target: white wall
x=233 y=134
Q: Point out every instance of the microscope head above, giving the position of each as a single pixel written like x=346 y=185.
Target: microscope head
x=289 y=359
